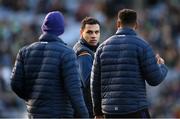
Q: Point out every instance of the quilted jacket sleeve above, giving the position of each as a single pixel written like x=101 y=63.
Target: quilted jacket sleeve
x=96 y=84
x=153 y=73
x=17 y=76
x=72 y=83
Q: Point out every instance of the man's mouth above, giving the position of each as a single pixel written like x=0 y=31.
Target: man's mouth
x=94 y=41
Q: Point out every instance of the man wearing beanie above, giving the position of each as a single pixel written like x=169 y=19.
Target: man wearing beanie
x=46 y=75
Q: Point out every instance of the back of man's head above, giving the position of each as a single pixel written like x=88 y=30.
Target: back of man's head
x=53 y=23
x=127 y=17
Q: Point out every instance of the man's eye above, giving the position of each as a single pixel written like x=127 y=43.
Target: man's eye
x=89 y=32
x=96 y=32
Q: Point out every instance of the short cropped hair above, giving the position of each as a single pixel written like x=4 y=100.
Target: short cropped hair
x=127 y=16
x=89 y=20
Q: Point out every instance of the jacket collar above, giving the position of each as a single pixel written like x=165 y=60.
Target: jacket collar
x=49 y=38
x=126 y=31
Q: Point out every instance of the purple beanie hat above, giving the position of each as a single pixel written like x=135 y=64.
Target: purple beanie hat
x=53 y=23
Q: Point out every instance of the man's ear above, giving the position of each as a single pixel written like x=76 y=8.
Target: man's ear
x=81 y=32
x=118 y=24
x=136 y=25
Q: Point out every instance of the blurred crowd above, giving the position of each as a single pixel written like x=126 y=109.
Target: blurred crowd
x=20 y=25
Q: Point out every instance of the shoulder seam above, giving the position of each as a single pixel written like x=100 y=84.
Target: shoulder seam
x=84 y=53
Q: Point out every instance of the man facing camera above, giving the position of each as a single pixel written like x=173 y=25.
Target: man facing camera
x=85 y=48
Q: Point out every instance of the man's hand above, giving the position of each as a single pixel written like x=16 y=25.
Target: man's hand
x=160 y=60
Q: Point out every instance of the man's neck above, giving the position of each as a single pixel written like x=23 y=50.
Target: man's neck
x=122 y=27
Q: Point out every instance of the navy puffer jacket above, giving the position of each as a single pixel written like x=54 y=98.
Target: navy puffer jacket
x=122 y=65
x=46 y=76
x=85 y=66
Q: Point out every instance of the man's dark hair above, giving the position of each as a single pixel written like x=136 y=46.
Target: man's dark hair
x=89 y=20
x=127 y=16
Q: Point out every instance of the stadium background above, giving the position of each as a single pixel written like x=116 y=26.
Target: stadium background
x=159 y=24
